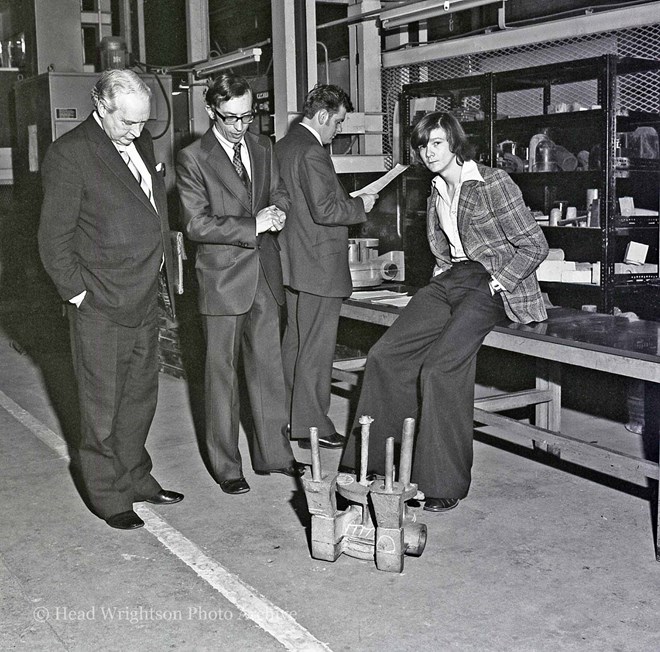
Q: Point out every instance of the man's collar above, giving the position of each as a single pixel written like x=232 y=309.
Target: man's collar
x=119 y=148
x=316 y=133
x=228 y=144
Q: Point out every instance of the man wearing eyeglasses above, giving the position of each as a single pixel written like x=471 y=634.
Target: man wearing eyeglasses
x=234 y=205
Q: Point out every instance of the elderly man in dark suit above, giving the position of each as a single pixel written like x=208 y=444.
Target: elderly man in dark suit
x=315 y=260
x=487 y=247
x=103 y=237
x=234 y=204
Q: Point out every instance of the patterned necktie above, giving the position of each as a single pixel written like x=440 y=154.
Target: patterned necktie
x=136 y=173
x=240 y=168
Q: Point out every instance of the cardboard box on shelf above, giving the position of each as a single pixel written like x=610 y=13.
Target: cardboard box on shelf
x=635 y=253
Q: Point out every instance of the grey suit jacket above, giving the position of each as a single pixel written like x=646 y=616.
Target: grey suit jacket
x=498 y=231
x=98 y=230
x=315 y=238
x=218 y=216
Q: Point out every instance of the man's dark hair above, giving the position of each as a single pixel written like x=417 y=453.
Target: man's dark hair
x=328 y=97
x=226 y=87
x=456 y=137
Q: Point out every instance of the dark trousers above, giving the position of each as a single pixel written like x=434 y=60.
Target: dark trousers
x=308 y=351
x=117 y=374
x=256 y=336
x=424 y=367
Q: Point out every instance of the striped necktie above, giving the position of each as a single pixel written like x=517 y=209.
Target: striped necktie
x=146 y=189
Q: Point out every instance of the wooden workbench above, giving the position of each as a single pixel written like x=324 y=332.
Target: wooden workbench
x=594 y=341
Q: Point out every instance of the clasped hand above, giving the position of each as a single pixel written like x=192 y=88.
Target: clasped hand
x=270 y=218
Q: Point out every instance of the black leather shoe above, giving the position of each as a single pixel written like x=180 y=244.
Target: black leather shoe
x=440 y=504
x=125 y=521
x=294 y=470
x=165 y=497
x=335 y=440
x=235 y=486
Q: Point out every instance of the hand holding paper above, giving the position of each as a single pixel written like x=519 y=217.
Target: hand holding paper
x=368 y=200
x=376 y=186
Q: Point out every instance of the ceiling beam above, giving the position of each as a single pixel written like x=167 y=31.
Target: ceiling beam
x=636 y=16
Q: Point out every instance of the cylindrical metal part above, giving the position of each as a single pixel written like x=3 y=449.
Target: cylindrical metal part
x=555 y=216
x=405 y=461
x=365 y=421
x=414 y=538
x=389 y=464
x=316 y=456
x=389 y=271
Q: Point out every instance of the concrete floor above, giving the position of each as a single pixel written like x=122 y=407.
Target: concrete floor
x=535 y=559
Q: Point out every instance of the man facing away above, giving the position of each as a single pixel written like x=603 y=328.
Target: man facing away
x=234 y=204
x=103 y=237
x=315 y=260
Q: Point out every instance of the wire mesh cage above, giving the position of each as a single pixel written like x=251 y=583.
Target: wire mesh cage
x=636 y=92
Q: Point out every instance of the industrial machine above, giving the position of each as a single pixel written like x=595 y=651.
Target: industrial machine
x=368 y=268
x=51 y=104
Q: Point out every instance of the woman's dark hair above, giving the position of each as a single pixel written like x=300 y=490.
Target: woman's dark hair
x=456 y=137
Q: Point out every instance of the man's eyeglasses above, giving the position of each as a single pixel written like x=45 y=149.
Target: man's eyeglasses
x=246 y=118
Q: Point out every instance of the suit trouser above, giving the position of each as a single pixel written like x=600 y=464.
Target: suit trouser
x=424 y=367
x=117 y=375
x=256 y=335
x=308 y=351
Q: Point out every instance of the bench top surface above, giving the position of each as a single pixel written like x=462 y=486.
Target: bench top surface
x=607 y=334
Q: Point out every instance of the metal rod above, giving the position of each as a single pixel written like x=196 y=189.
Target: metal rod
x=405 y=461
x=365 y=421
x=351 y=19
x=316 y=456
x=389 y=464
x=412 y=13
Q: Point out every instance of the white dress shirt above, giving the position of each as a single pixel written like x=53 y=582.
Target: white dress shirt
x=446 y=209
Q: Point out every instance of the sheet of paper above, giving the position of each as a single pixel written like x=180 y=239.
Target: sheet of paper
x=395 y=301
x=376 y=186
x=370 y=295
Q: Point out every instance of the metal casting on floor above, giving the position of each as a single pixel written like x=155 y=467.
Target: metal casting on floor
x=378 y=524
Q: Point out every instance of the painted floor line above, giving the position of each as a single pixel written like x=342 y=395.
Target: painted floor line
x=256 y=607
x=38 y=429
x=253 y=605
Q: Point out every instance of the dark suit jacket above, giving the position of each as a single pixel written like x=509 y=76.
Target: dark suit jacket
x=498 y=231
x=218 y=216
x=98 y=230
x=315 y=237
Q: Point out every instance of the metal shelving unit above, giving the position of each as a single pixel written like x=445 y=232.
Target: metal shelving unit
x=580 y=106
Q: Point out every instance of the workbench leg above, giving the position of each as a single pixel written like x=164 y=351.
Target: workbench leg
x=651 y=435
x=548 y=377
x=657 y=517
x=656 y=491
